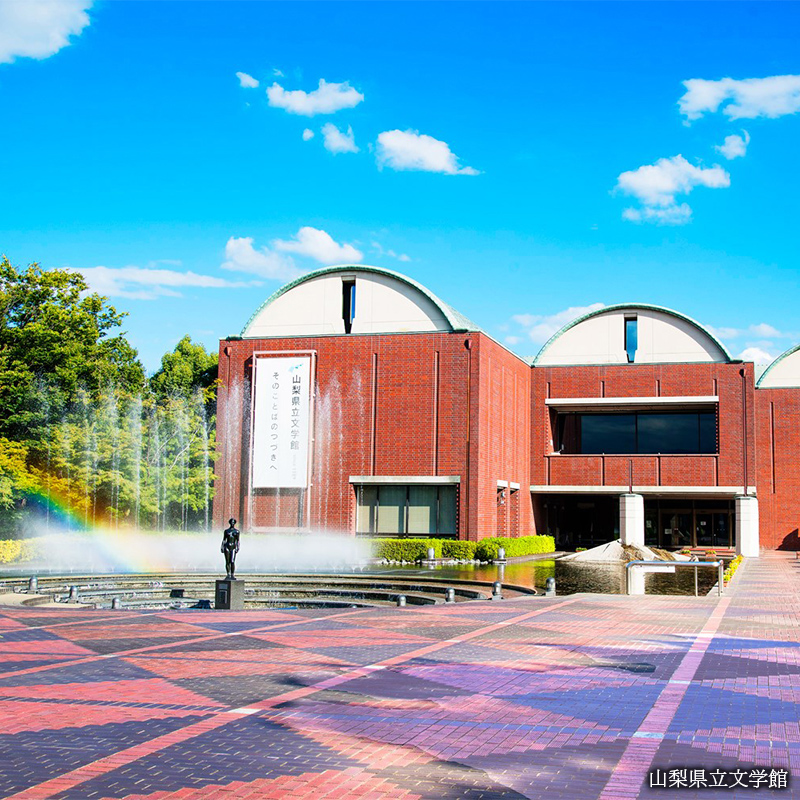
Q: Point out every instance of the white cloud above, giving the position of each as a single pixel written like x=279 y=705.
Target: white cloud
x=671 y=215
x=540 y=328
x=241 y=256
x=734 y=146
x=327 y=99
x=39 y=28
x=339 y=141
x=144 y=283
x=320 y=246
x=411 y=150
x=723 y=333
x=757 y=355
x=765 y=330
x=247 y=81
x=656 y=185
x=757 y=345
x=742 y=99
x=308 y=134
x=277 y=73
x=391 y=253
x=512 y=340
x=762 y=330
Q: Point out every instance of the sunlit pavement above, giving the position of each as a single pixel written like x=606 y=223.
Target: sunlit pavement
x=569 y=697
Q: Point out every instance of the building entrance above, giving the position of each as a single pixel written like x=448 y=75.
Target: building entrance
x=713 y=529
x=675 y=529
x=699 y=523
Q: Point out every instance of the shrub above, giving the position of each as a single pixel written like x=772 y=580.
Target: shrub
x=13 y=551
x=464 y=551
x=521 y=546
x=731 y=568
x=405 y=549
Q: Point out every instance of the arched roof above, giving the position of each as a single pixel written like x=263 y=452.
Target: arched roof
x=456 y=320
x=770 y=378
x=622 y=307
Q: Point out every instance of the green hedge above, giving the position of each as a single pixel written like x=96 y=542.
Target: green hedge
x=405 y=549
x=521 y=546
x=463 y=551
x=485 y=550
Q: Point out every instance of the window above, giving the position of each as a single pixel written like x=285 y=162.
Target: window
x=608 y=433
x=631 y=337
x=348 y=304
x=417 y=510
x=391 y=509
x=680 y=432
x=422 y=502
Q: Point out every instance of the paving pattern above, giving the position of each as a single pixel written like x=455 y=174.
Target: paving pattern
x=586 y=696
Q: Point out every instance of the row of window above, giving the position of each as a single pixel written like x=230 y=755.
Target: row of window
x=419 y=510
x=678 y=433
x=406 y=510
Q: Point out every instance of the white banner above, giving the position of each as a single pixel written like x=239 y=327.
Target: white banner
x=281 y=430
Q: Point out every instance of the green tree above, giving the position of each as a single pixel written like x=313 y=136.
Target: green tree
x=62 y=356
x=81 y=427
x=187 y=368
x=181 y=434
x=56 y=339
x=15 y=477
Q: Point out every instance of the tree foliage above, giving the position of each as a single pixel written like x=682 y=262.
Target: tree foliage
x=185 y=369
x=56 y=338
x=81 y=428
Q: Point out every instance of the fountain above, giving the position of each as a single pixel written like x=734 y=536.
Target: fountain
x=122 y=518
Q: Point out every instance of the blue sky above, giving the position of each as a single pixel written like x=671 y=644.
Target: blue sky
x=525 y=160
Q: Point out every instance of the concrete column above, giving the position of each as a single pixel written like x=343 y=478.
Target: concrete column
x=746 y=507
x=631 y=519
x=636 y=578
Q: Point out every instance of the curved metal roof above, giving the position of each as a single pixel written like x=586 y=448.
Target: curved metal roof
x=775 y=363
x=635 y=307
x=456 y=320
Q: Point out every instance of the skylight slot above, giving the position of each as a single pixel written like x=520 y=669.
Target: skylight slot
x=631 y=337
x=348 y=303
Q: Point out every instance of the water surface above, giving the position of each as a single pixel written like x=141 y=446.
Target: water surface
x=571 y=577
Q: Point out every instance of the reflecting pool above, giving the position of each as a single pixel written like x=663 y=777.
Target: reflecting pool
x=571 y=577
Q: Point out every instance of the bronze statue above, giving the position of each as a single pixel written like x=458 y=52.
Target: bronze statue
x=230 y=547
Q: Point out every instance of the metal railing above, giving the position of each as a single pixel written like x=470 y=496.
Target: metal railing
x=695 y=564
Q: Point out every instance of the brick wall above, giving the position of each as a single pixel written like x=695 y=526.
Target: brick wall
x=646 y=380
x=778 y=434
x=393 y=404
x=426 y=404
x=501 y=432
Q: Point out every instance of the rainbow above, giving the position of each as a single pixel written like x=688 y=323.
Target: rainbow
x=56 y=508
x=65 y=531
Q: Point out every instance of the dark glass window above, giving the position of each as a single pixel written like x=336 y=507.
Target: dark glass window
x=667 y=433
x=608 y=433
x=631 y=337
x=708 y=432
x=646 y=432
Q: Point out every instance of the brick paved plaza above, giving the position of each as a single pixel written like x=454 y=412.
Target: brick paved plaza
x=569 y=697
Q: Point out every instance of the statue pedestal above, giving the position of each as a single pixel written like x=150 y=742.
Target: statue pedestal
x=229 y=594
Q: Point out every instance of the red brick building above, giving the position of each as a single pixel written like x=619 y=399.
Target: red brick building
x=355 y=400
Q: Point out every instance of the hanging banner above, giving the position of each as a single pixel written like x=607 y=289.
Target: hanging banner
x=281 y=430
